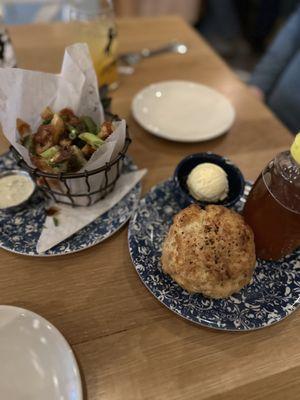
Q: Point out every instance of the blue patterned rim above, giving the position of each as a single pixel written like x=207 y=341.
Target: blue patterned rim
x=273 y=294
x=20 y=231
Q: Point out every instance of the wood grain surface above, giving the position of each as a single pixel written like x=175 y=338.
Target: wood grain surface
x=128 y=345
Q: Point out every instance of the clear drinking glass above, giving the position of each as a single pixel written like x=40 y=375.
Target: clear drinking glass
x=94 y=23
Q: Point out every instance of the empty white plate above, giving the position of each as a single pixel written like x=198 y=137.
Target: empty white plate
x=183 y=111
x=36 y=361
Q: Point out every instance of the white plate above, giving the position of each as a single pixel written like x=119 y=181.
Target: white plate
x=36 y=361
x=183 y=111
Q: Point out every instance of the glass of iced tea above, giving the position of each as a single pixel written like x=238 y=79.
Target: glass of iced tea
x=94 y=24
x=273 y=208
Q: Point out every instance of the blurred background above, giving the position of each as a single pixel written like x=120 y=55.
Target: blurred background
x=239 y=30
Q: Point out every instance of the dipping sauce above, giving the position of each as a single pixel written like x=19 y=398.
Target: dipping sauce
x=273 y=212
x=14 y=189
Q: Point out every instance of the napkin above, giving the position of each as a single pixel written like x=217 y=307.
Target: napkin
x=25 y=94
x=71 y=220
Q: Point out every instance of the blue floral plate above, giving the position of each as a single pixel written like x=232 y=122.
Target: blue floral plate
x=273 y=294
x=19 y=232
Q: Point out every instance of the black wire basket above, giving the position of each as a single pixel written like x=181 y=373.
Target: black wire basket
x=59 y=186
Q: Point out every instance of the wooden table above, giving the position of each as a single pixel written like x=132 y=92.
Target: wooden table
x=128 y=345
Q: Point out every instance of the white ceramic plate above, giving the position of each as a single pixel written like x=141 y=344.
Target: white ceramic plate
x=36 y=361
x=183 y=111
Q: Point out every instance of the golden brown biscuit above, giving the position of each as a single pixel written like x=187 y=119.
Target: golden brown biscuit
x=209 y=251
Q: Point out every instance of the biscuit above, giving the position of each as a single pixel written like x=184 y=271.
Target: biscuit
x=209 y=251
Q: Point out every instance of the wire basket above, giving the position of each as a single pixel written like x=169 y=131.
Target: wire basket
x=59 y=186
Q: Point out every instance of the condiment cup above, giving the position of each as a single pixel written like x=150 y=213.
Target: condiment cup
x=235 y=178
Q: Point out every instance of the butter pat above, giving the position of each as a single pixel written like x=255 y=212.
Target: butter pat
x=208 y=182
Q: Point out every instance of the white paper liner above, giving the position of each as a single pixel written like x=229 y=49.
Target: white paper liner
x=24 y=94
x=71 y=220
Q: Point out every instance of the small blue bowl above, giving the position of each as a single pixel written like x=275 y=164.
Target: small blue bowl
x=236 y=180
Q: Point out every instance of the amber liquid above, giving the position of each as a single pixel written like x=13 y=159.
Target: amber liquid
x=96 y=35
x=273 y=212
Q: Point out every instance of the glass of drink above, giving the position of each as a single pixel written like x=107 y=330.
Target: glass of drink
x=94 y=24
x=273 y=207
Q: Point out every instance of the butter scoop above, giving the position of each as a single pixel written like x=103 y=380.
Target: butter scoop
x=208 y=182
